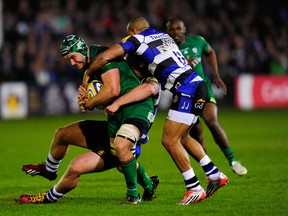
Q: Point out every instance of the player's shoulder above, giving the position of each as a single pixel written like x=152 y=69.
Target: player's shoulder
x=98 y=48
x=125 y=39
x=95 y=49
x=134 y=39
x=195 y=38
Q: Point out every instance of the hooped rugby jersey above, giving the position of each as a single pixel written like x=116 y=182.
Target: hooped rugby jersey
x=164 y=60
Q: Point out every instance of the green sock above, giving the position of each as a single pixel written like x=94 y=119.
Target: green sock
x=130 y=173
x=229 y=154
x=143 y=179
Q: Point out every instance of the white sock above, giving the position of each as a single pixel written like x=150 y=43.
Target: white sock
x=205 y=160
x=51 y=163
x=53 y=195
x=189 y=175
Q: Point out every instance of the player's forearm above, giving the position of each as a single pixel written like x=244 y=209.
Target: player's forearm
x=212 y=61
x=105 y=96
x=103 y=58
x=215 y=72
x=137 y=94
x=96 y=64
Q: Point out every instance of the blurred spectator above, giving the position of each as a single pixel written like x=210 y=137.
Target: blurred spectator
x=248 y=36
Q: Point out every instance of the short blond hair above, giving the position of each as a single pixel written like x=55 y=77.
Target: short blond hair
x=138 y=23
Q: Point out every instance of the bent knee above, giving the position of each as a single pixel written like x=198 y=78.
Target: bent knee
x=168 y=142
x=184 y=139
x=74 y=168
x=213 y=124
x=62 y=133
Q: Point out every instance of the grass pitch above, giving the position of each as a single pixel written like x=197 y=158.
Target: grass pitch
x=259 y=140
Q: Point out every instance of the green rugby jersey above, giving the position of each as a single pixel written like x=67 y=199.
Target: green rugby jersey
x=195 y=46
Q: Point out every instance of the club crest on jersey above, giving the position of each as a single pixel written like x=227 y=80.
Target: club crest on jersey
x=167 y=41
x=194 y=50
x=101 y=152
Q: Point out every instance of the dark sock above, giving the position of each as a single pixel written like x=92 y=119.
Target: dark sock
x=229 y=154
x=143 y=179
x=130 y=173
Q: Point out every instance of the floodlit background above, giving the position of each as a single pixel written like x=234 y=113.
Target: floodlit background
x=250 y=38
x=38 y=90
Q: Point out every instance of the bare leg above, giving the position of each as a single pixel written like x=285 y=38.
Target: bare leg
x=123 y=149
x=173 y=131
x=196 y=132
x=86 y=163
x=211 y=120
x=220 y=137
x=193 y=147
x=65 y=136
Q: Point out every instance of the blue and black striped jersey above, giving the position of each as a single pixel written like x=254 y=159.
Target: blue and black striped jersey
x=161 y=54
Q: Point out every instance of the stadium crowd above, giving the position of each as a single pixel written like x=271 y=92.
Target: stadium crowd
x=248 y=37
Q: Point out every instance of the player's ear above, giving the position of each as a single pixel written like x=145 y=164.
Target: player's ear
x=88 y=56
x=133 y=31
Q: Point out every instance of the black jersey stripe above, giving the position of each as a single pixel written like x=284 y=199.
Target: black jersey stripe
x=155 y=44
x=162 y=66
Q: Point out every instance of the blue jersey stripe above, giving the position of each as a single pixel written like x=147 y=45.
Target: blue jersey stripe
x=160 y=52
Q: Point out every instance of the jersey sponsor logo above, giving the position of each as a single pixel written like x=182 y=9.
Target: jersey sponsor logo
x=125 y=39
x=185 y=106
x=199 y=103
x=168 y=42
x=151 y=117
x=101 y=152
x=167 y=45
x=160 y=36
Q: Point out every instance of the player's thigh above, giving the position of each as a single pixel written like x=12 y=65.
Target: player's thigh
x=86 y=163
x=210 y=112
x=70 y=135
x=94 y=135
x=173 y=131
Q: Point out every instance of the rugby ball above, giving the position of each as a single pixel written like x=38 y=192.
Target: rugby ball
x=92 y=89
